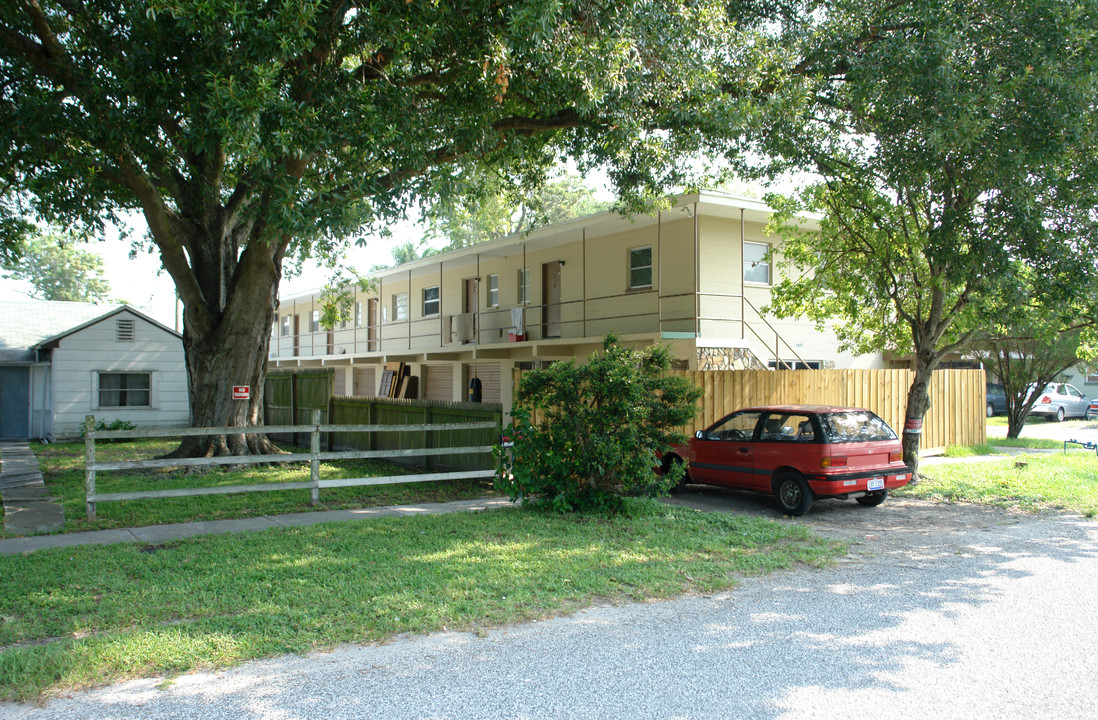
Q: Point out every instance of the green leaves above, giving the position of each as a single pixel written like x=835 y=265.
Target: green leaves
x=598 y=429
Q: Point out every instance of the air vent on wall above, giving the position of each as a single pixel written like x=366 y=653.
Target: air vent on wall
x=125 y=330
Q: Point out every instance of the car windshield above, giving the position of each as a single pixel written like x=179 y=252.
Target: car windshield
x=855 y=426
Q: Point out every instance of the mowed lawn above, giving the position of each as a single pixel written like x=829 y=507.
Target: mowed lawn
x=62 y=467
x=89 y=615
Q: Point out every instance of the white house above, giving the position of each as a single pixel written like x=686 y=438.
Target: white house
x=696 y=276
x=61 y=361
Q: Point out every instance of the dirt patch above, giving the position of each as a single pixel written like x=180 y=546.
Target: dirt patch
x=898 y=526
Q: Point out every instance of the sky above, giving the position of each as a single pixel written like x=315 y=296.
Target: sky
x=140 y=281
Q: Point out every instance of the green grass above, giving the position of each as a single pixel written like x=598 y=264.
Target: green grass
x=82 y=616
x=1038 y=443
x=962 y=451
x=1029 y=482
x=63 y=471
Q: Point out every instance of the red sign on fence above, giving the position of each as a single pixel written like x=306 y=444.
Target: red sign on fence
x=242 y=392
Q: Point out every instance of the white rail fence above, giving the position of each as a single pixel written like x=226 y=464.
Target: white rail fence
x=314 y=457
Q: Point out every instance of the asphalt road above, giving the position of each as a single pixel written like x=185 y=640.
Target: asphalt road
x=938 y=612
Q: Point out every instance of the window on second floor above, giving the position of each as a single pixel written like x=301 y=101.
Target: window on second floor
x=400 y=306
x=314 y=324
x=756 y=266
x=430 y=301
x=640 y=268
x=524 y=286
x=493 y=291
x=358 y=314
x=285 y=326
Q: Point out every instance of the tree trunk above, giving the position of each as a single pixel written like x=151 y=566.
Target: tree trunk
x=918 y=403
x=231 y=353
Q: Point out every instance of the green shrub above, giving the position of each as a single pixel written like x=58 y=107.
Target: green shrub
x=116 y=424
x=599 y=429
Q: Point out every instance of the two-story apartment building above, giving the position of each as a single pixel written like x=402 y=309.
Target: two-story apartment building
x=696 y=276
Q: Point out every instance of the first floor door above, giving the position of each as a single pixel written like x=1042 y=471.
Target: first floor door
x=14 y=402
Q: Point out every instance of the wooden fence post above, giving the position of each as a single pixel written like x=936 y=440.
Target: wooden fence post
x=314 y=462
x=89 y=460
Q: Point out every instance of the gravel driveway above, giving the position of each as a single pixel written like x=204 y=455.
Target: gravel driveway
x=938 y=612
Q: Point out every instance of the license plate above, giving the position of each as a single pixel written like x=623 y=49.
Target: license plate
x=875 y=483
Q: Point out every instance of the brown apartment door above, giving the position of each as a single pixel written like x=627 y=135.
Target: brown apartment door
x=550 y=299
x=371 y=324
x=297 y=335
x=472 y=300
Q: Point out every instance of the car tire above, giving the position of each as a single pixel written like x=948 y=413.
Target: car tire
x=794 y=496
x=872 y=499
x=1088 y=416
x=990 y=409
x=676 y=460
x=1059 y=414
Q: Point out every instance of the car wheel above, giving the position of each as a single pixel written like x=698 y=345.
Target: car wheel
x=990 y=409
x=794 y=495
x=1088 y=415
x=1059 y=414
x=872 y=499
x=676 y=460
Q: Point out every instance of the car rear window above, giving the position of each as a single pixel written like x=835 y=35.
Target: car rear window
x=857 y=426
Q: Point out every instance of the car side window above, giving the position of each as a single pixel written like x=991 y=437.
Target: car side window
x=737 y=427
x=783 y=427
x=1072 y=391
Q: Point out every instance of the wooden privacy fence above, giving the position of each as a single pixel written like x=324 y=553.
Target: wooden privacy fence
x=313 y=457
x=957 y=397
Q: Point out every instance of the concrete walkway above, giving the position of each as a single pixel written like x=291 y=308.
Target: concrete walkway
x=159 y=534
x=28 y=506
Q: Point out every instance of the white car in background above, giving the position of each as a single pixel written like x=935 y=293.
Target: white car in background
x=1059 y=401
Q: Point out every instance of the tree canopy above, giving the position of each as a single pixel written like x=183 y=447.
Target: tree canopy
x=250 y=134
x=58 y=269
x=965 y=160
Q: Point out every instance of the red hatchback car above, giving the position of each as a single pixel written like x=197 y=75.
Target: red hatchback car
x=798 y=453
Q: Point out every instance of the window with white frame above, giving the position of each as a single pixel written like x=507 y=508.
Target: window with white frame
x=358 y=314
x=493 y=291
x=430 y=301
x=314 y=324
x=400 y=306
x=124 y=389
x=640 y=268
x=285 y=325
x=756 y=266
x=524 y=286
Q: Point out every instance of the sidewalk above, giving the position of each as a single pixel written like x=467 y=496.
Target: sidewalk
x=159 y=534
x=28 y=506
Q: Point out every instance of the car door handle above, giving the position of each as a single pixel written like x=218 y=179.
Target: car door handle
x=742 y=451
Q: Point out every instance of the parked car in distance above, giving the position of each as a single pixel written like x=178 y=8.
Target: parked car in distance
x=798 y=453
x=1092 y=410
x=1061 y=400
x=996 y=399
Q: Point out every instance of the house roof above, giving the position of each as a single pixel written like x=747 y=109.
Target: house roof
x=29 y=324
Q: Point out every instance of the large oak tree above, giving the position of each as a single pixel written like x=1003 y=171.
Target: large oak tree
x=250 y=133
